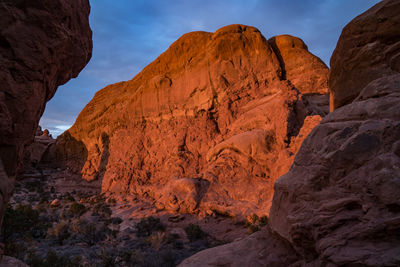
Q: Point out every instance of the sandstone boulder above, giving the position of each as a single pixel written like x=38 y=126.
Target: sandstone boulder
x=55 y=203
x=12 y=262
x=182 y=195
x=259 y=249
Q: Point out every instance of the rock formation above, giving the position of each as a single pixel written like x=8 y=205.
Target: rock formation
x=43 y=44
x=339 y=203
x=33 y=154
x=211 y=123
x=378 y=58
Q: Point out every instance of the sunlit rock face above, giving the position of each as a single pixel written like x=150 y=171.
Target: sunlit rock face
x=339 y=203
x=210 y=124
x=43 y=44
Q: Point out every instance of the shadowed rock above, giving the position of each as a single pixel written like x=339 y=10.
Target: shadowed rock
x=338 y=205
x=43 y=44
x=368 y=49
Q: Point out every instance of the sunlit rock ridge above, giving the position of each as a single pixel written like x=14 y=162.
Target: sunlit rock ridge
x=209 y=125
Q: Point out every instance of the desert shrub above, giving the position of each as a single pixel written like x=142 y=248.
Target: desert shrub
x=44 y=199
x=107 y=259
x=69 y=198
x=115 y=220
x=163 y=258
x=52 y=259
x=254 y=223
x=156 y=240
x=34 y=186
x=148 y=225
x=126 y=256
x=88 y=232
x=13 y=249
x=194 y=232
x=118 y=257
x=60 y=232
x=20 y=221
x=102 y=208
x=77 y=209
x=41 y=207
x=173 y=239
x=111 y=200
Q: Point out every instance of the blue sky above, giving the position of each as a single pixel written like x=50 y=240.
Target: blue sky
x=129 y=34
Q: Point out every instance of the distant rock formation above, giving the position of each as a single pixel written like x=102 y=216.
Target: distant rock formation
x=339 y=204
x=33 y=154
x=218 y=115
x=43 y=44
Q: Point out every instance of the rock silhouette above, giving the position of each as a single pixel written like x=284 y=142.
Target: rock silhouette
x=43 y=44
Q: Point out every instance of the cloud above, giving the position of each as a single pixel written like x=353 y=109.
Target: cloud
x=128 y=35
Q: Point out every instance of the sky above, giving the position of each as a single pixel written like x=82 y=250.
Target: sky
x=129 y=34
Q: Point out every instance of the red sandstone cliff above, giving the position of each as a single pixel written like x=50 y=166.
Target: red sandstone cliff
x=210 y=124
x=339 y=203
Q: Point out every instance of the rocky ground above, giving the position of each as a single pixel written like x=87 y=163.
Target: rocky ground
x=54 y=219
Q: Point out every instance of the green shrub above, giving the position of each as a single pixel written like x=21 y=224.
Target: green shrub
x=88 y=232
x=194 y=232
x=102 y=208
x=20 y=220
x=69 y=198
x=77 y=209
x=148 y=225
x=52 y=260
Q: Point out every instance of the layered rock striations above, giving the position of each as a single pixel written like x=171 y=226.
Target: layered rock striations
x=339 y=203
x=211 y=123
x=43 y=44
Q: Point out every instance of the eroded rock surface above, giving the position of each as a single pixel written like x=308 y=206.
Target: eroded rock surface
x=338 y=205
x=216 y=108
x=259 y=249
x=43 y=44
x=33 y=153
x=339 y=202
x=12 y=262
x=354 y=68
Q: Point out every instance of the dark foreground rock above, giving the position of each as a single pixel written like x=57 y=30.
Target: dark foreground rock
x=338 y=205
x=43 y=44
